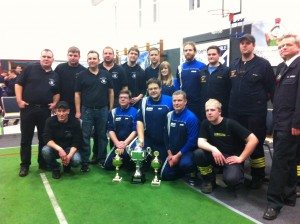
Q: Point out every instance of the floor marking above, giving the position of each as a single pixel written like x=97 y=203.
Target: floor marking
x=57 y=209
x=226 y=206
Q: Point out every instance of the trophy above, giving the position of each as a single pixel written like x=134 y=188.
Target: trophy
x=155 y=164
x=117 y=162
x=138 y=155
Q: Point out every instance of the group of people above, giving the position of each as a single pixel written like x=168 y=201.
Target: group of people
x=182 y=118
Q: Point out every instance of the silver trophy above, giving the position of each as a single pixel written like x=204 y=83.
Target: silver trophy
x=138 y=155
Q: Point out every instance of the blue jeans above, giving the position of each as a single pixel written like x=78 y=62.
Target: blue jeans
x=97 y=118
x=50 y=155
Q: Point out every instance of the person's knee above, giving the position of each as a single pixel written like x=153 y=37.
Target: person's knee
x=76 y=160
x=198 y=155
x=232 y=180
x=46 y=151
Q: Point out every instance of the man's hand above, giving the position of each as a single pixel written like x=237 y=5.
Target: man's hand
x=233 y=160
x=78 y=115
x=22 y=104
x=295 y=131
x=218 y=157
x=66 y=160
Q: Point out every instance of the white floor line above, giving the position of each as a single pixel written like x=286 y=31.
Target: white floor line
x=227 y=206
x=57 y=209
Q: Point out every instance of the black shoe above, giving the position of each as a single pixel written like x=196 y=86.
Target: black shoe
x=255 y=183
x=289 y=202
x=23 y=171
x=206 y=187
x=85 y=168
x=56 y=174
x=67 y=169
x=270 y=213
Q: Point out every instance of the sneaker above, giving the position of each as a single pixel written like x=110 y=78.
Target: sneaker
x=23 y=171
x=85 y=168
x=206 y=187
x=67 y=169
x=56 y=174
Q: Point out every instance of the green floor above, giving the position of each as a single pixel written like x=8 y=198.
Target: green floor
x=93 y=198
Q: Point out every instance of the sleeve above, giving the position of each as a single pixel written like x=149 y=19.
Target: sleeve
x=110 y=122
x=166 y=135
x=77 y=87
x=142 y=82
x=21 y=79
x=296 y=115
x=176 y=84
x=134 y=121
x=269 y=82
x=238 y=130
x=191 y=143
x=204 y=131
x=178 y=77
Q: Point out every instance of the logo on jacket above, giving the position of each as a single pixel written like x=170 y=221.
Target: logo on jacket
x=149 y=108
x=233 y=74
x=51 y=82
x=173 y=125
x=133 y=75
x=203 y=78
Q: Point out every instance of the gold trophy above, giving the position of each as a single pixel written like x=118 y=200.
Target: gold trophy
x=117 y=162
x=155 y=164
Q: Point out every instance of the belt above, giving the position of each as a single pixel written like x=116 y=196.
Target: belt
x=37 y=105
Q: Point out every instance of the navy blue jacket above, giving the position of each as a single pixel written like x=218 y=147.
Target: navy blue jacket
x=251 y=91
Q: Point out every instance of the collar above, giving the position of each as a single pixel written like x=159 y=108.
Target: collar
x=290 y=61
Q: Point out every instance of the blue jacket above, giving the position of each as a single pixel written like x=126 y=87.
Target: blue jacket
x=181 y=132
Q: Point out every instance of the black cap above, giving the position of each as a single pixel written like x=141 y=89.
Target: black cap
x=248 y=37
x=62 y=104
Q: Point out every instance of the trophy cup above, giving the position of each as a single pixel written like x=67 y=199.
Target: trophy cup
x=138 y=155
x=117 y=162
x=155 y=164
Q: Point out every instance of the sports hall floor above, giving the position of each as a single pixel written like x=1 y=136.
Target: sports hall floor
x=245 y=202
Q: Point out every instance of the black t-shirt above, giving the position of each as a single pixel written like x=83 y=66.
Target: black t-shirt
x=93 y=88
x=38 y=85
x=151 y=72
x=67 y=76
x=63 y=134
x=228 y=136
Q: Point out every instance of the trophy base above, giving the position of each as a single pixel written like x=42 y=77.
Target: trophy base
x=117 y=179
x=155 y=182
x=138 y=180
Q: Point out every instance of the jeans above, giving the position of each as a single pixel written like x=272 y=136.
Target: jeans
x=50 y=155
x=97 y=118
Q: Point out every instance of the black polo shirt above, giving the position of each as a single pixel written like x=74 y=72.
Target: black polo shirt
x=118 y=77
x=67 y=76
x=38 y=85
x=93 y=88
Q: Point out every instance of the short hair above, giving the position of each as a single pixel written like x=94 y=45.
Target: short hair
x=127 y=92
x=13 y=71
x=18 y=66
x=290 y=35
x=214 y=103
x=74 y=49
x=93 y=52
x=153 y=49
x=134 y=48
x=47 y=50
x=155 y=81
x=108 y=48
x=214 y=47
x=180 y=92
x=190 y=43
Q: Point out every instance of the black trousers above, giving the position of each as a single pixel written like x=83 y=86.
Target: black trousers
x=257 y=125
x=31 y=117
x=283 y=177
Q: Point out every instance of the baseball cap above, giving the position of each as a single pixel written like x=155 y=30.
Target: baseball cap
x=62 y=104
x=248 y=37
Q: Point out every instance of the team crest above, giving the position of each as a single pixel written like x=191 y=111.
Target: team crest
x=233 y=74
x=51 y=82
x=103 y=80
x=114 y=75
x=133 y=75
x=203 y=78
x=173 y=125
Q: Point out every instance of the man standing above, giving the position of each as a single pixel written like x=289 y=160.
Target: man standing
x=222 y=144
x=152 y=70
x=37 y=92
x=180 y=139
x=151 y=118
x=252 y=80
x=215 y=81
x=63 y=137
x=121 y=128
x=93 y=93
x=67 y=73
x=188 y=77
x=135 y=76
x=286 y=120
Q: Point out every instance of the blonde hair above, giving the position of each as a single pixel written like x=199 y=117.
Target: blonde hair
x=213 y=103
x=169 y=81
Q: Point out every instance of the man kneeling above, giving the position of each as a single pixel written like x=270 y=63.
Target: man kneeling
x=63 y=136
x=222 y=144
